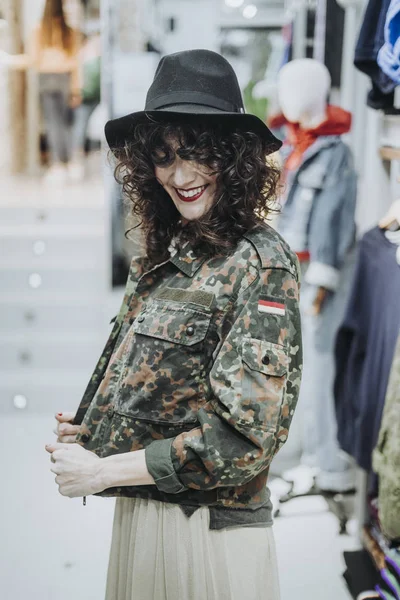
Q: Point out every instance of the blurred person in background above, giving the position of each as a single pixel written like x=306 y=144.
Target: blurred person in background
x=55 y=55
x=53 y=51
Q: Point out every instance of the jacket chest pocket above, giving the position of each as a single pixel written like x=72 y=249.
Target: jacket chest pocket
x=165 y=367
x=264 y=381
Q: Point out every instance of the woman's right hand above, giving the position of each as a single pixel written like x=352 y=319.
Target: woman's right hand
x=65 y=431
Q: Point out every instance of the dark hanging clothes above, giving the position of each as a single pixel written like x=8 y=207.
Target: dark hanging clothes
x=370 y=41
x=334 y=40
x=379 y=101
x=361 y=574
x=365 y=346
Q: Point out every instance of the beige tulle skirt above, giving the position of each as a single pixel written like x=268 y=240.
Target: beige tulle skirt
x=157 y=553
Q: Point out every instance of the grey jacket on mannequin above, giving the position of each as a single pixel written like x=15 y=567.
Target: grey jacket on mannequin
x=318 y=213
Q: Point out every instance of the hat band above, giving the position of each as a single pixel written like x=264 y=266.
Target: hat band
x=192 y=98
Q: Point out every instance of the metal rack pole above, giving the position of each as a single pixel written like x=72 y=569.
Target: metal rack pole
x=299 y=29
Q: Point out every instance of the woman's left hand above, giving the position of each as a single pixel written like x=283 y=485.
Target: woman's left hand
x=78 y=470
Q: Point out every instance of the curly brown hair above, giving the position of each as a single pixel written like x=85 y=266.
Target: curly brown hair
x=246 y=184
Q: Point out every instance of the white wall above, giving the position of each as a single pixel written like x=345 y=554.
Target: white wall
x=271 y=14
x=196 y=24
x=32 y=14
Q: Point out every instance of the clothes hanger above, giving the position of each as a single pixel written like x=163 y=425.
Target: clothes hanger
x=392 y=217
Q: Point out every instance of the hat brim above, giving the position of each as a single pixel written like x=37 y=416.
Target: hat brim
x=118 y=131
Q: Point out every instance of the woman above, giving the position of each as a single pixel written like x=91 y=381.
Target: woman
x=53 y=53
x=196 y=387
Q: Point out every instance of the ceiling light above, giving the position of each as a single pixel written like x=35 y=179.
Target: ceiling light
x=20 y=401
x=234 y=3
x=35 y=280
x=250 y=11
x=39 y=247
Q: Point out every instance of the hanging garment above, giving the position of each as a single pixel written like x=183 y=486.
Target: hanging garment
x=318 y=212
x=389 y=585
x=392 y=558
x=334 y=32
x=386 y=456
x=370 y=41
x=385 y=592
x=389 y=54
x=317 y=221
x=361 y=574
x=365 y=346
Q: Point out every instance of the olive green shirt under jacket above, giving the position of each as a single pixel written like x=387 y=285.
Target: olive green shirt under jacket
x=202 y=369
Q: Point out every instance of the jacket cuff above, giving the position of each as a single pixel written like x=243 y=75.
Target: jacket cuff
x=322 y=275
x=159 y=464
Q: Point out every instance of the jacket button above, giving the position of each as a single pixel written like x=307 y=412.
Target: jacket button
x=190 y=330
x=265 y=360
x=140 y=319
x=110 y=412
x=85 y=438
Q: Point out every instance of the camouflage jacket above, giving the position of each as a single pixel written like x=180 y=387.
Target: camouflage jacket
x=202 y=369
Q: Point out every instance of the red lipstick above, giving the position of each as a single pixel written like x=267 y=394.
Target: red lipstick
x=192 y=198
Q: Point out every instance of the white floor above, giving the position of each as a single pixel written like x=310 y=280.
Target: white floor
x=310 y=551
x=54 y=548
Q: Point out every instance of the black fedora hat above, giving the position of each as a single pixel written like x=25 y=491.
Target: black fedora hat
x=193 y=83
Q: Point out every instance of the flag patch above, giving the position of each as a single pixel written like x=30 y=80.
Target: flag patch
x=271 y=307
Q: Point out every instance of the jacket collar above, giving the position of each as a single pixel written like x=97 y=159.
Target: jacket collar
x=321 y=143
x=186 y=260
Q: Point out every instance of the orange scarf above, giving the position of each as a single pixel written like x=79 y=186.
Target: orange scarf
x=337 y=122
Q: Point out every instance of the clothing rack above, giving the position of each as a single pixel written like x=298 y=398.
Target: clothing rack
x=352 y=97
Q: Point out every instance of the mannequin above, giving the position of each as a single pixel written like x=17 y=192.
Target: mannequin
x=307 y=107
x=311 y=82
x=317 y=220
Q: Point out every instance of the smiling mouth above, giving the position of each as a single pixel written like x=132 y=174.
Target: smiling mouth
x=192 y=194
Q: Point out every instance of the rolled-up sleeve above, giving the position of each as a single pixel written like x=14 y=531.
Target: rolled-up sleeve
x=254 y=385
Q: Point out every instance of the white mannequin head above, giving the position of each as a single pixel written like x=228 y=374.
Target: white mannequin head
x=303 y=87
